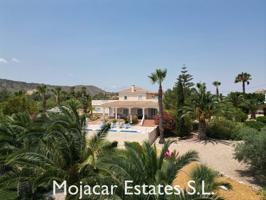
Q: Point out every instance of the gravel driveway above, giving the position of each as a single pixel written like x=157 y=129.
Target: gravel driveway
x=218 y=155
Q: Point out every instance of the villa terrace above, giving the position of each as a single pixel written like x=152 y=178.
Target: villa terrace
x=133 y=102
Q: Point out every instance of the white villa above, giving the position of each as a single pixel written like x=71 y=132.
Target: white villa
x=133 y=101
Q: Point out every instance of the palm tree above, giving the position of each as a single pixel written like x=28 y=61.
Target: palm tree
x=204 y=103
x=42 y=91
x=203 y=173
x=158 y=77
x=15 y=138
x=57 y=92
x=63 y=153
x=143 y=164
x=86 y=103
x=236 y=98
x=244 y=78
x=252 y=106
x=216 y=85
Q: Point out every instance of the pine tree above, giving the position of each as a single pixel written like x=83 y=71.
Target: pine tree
x=180 y=121
x=183 y=89
x=186 y=80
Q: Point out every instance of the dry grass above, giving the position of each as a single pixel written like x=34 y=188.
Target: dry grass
x=239 y=191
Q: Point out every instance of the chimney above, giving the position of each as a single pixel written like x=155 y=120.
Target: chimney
x=133 y=89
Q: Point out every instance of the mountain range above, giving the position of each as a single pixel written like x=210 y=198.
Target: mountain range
x=15 y=86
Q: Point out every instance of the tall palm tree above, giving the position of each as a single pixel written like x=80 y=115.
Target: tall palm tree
x=158 y=77
x=42 y=91
x=243 y=78
x=204 y=103
x=57 y=92
x=216 y=85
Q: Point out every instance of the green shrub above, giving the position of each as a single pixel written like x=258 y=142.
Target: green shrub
x=16 y=104
x=244 y=132
x=253 y=152
x=126 y=120
x=263 y=193
x=135 y=119
x=228 y=111
x=93 y=117
x=183 y=128
x=261 y=119
x=221 y=128
x=255 y=124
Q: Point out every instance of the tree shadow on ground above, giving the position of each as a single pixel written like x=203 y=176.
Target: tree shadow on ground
x=194 y=138
x=211 y=140
x=170 y=134
x=252 y=178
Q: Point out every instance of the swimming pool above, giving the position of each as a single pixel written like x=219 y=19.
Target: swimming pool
x=123 y=129
x=114 y=130
x=134 y=133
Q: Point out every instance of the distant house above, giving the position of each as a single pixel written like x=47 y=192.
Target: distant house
x=133 y=101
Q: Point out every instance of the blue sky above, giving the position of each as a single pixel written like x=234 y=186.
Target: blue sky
x=116 y=43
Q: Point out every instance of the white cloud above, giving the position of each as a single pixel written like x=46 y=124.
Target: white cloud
x=3 y=60
x=7 y=61
x=15 y=60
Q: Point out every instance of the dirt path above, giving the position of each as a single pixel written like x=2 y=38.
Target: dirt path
x=218 y=155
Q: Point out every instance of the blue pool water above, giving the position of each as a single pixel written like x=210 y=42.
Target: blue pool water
x=114 y=130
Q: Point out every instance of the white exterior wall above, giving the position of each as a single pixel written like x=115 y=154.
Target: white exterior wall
x=132 y=97
x=135 y=97
x=98 y=109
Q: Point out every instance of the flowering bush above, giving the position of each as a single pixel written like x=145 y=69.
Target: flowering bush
x=168 y=154
x=168 y=121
